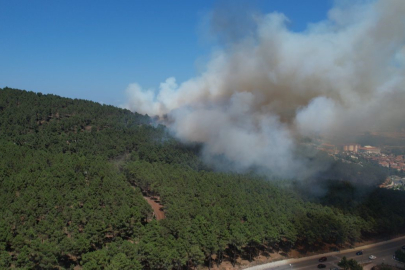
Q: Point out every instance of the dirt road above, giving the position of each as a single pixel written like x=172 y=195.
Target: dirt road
x=157 y=208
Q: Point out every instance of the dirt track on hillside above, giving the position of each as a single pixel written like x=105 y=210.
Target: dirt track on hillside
x=157 y=208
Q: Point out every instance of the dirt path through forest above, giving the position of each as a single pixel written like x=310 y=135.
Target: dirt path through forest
x=157 y=208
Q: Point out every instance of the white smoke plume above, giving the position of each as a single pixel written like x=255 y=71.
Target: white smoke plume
x=257 y=95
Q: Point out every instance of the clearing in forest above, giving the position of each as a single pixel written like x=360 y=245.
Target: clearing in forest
x=157 y=207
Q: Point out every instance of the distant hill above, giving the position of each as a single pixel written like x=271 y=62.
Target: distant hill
x=73 y=174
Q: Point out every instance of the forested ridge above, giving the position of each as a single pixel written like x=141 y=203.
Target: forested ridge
x=72 y=176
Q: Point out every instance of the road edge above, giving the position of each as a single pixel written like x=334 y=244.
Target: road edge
x=295 y=260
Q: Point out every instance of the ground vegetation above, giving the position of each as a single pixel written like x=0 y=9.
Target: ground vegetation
x=73 y=174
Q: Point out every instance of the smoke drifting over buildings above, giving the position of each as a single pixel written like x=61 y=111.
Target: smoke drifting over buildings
x=260 y=93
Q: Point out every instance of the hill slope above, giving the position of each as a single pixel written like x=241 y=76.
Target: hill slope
x=72 y=174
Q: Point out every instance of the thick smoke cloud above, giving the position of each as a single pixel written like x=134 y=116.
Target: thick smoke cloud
x=259 y=94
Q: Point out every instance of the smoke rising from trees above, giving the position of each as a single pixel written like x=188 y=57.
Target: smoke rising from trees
x=259 y=93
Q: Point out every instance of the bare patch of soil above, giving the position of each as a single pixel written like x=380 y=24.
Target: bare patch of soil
x=156 y=206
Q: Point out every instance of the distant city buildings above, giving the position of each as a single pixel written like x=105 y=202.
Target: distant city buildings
x=391 y=161
x=370 y=149
x=351 y=148
x=368 y=152
x=356 y=148
x=355 y=153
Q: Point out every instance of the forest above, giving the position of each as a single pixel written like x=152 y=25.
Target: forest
x=73 y=174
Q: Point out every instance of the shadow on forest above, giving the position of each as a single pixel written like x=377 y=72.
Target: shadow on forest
x=327 y=228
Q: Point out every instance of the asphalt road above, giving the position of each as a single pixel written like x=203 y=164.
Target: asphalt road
x=383 y=251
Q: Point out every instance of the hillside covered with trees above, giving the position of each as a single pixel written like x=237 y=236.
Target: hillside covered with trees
x=73 y=174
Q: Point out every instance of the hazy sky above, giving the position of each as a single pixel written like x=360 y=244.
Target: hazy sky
x=95 y=49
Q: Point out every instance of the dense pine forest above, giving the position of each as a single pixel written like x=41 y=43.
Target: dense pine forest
x=73 y=174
